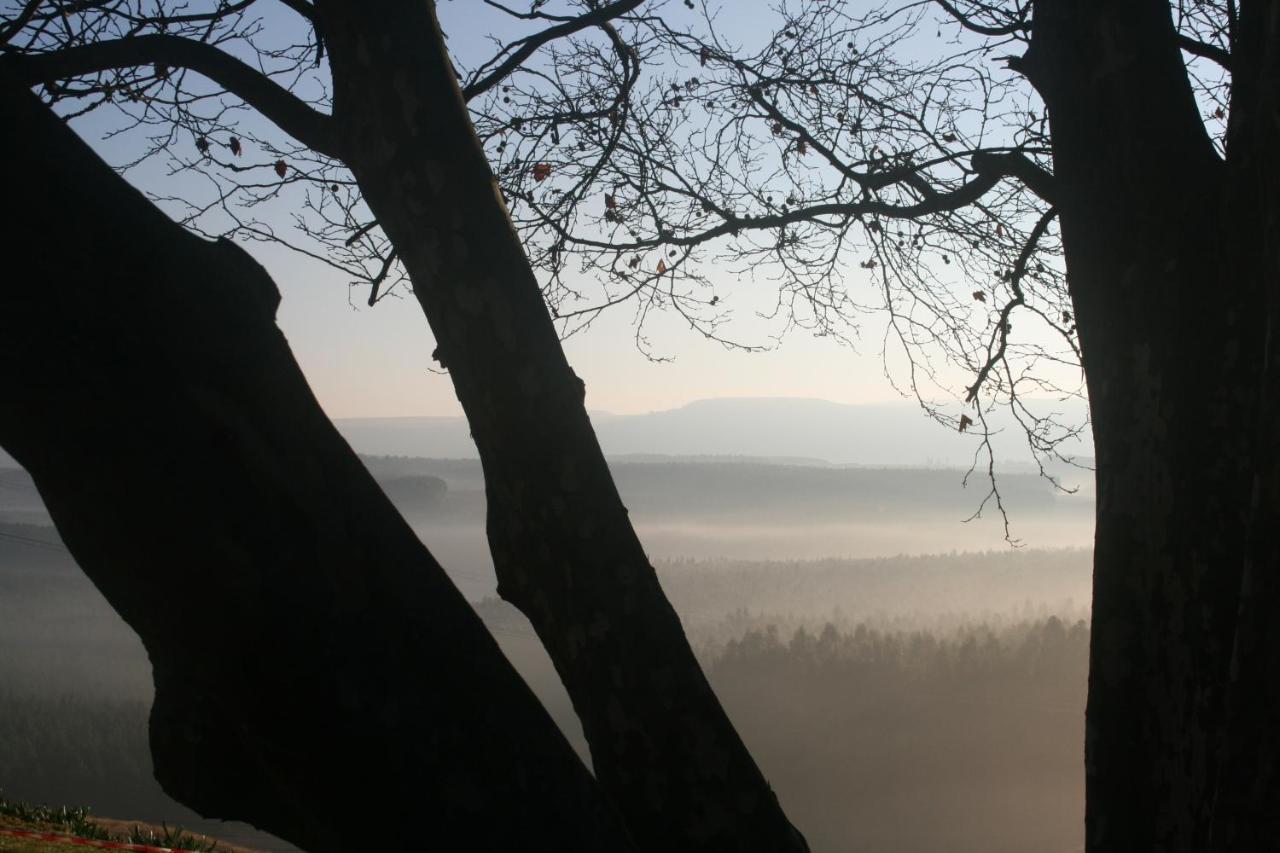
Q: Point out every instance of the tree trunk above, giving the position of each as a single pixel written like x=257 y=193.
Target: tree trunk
x=316 y=672
x=1170 y=306
x=562 y=543
x=1246 y=813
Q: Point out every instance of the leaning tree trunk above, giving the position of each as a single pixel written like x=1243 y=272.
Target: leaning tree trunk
x=562 y=543
x=316 y=672
x=1171 y=306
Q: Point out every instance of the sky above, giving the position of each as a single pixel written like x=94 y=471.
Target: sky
x=375 y=362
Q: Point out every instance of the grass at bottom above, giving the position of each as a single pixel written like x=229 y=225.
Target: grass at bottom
x=9 y=844
x=78 y=822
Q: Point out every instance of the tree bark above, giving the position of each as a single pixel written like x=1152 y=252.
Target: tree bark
x=562 y=543
x=316 y=672
x=1246 y=809
x=1171 y=309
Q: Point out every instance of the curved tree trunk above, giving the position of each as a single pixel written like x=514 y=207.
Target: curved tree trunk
x=1171 y=299
x=315 y=670
x=561 y=540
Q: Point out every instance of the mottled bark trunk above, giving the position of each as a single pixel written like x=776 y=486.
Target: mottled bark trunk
x=1171 y=308
x=562 y=543
x=316 y=673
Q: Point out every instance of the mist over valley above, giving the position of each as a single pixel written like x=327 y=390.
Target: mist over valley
x=907 y=679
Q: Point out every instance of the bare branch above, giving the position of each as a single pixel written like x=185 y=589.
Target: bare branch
x=961 y=197
x=290 y=113
x=529 y=45
x=1016 y=165
x=308 y=11
x=20 y=20
x=1001 y=332
x=1195 y=47
x=1018 y=25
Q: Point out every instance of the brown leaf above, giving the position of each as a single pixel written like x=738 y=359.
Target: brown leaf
x=234 y=145
x=541 y=171
x=281 y=168
x=610 y=203
x=979 y=296
x=965 y=422
x=704 y=55
x=662 y=266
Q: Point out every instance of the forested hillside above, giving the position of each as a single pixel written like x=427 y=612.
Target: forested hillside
x=915 y=702
x=963 y=740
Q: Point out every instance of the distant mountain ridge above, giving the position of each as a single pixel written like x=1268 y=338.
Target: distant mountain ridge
x=800 y=430
x=781 y=430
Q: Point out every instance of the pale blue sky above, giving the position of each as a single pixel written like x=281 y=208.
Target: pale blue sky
x=376 y=361
x=364 y=361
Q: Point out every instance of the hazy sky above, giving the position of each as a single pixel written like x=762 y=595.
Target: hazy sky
x=376 y=362
x=364 y=361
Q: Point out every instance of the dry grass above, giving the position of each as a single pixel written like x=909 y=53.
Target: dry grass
x=117 y=830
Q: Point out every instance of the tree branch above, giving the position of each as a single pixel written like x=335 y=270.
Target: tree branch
x=308 y=11
x=1012 y=28
x=287 y=111
x=962 y=196
x=867 y=180
x=1015 y=165
x=529 y=45
x=19 y=21
x=1001 y=331
x=1206 y=51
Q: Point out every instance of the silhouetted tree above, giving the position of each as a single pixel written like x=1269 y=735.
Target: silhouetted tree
x=565 y=552
x=313 y=664
x=1115 y=188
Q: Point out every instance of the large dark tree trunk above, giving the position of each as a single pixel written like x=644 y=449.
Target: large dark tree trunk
x=1170 y=280
x=562 y=543
x=1246 y=810
x=316 y=672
